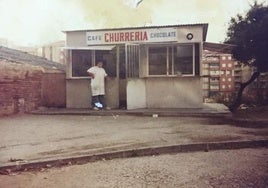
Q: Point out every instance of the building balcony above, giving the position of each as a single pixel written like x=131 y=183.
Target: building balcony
x=211 y=60
x=215 y=75
x=214 y=88
x=214 y=81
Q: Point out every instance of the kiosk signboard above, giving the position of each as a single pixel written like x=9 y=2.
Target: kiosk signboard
x=132 y=36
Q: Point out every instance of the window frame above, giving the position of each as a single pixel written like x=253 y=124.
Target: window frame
x=170 y=49
x=93 y=59
x=71 y=63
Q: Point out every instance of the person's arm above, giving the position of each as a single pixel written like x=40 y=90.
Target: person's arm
x=92 y=75
x=106 y=76
x=90 y=72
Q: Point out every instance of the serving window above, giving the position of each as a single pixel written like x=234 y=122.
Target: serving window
x=109 y=58
x=83 y=59
x=173 y=60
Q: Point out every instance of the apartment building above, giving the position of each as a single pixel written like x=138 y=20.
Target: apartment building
x=222 y=76
x=53 y=52
x=220 y=71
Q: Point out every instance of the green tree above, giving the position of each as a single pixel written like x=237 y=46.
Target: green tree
x=249 y=35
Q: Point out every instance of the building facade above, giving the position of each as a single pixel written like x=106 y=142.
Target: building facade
x=149 y=67
x=222 y=75
x=221 y=72
x=53 y=52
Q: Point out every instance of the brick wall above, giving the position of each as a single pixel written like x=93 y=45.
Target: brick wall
x=22 y=88
x=54 y=90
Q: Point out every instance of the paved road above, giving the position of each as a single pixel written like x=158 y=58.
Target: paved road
x=44 y=137
x=245 y=168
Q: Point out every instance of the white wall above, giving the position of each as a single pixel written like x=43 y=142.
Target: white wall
x=173 y=92
x=177 y=92
x=136 y=93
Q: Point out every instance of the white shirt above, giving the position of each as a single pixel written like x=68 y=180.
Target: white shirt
x=97 y=83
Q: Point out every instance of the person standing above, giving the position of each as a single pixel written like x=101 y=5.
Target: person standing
x=98 y=75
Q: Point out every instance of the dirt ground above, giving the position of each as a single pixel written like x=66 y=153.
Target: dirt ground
x=227 y=168
x=253 y=113
x=42 y=137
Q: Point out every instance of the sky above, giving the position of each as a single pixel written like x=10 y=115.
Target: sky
x=40 y=22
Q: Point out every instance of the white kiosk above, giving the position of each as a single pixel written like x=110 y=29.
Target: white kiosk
x=149 y=67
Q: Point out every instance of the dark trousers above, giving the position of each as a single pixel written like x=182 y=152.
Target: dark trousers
x=100 y=99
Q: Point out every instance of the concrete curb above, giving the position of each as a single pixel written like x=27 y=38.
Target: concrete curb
x=221 y=115
x=165 y=113
x=195 y=147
